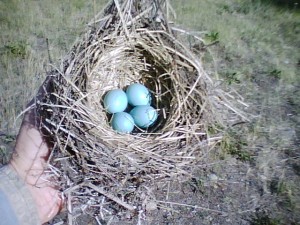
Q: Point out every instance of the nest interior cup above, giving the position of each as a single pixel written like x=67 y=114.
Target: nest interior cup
x=129 y=42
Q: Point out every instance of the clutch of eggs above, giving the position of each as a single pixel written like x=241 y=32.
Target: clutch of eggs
x=142 y=115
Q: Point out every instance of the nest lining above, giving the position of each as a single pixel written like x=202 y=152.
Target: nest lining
x=131 y=41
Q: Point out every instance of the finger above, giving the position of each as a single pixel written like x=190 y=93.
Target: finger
x=48 y=202
x=31 y=153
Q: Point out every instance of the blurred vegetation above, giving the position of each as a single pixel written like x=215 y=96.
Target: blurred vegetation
x=235 y=144
x=284 y=3
x=261 y=218
x=257 y=53
x=33 y=33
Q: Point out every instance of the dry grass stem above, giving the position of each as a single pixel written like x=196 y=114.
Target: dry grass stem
x=130 y=41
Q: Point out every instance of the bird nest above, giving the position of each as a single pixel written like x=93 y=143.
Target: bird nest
x=130 y=41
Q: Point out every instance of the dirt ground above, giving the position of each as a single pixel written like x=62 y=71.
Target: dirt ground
x=253 y=177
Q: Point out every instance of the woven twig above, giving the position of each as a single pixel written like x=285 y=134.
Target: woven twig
x=130 y=41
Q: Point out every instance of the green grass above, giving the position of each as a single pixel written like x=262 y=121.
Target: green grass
x=257 y=53
x=262 y=218
x=255 y=37
x=235 y=145
x=29 y=32
x=15 y=49
x=6 y=144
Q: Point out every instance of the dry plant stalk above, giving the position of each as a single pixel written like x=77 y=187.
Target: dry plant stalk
x=130 y=41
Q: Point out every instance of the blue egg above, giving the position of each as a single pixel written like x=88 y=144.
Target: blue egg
x=122 y=122
x=115 y=101
x=138 y=94
x=144 y=115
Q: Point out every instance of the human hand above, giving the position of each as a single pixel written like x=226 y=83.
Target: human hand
x=29 y=160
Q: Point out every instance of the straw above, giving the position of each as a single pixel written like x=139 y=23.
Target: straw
x=129 y=41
